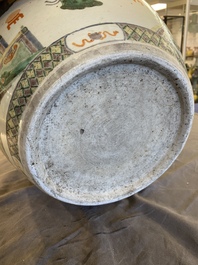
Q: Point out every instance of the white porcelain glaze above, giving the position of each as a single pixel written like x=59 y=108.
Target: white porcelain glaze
x=97 y=103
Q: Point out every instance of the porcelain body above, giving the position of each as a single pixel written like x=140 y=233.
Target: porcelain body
x=57 y=70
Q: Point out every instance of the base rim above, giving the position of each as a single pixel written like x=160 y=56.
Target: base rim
x=69 y=71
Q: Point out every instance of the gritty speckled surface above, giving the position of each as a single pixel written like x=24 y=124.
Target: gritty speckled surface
x=109 y=127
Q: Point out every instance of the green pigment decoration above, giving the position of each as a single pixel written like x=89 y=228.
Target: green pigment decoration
x=75 y=4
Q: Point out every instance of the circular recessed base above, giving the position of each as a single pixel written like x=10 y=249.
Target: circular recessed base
x=107 y=127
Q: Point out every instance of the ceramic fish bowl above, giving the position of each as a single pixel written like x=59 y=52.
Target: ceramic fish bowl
x=95 y=101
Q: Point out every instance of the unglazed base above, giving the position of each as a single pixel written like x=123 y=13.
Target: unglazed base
x=106 y=123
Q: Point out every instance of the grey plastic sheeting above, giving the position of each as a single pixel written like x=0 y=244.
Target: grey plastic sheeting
x=159 y=225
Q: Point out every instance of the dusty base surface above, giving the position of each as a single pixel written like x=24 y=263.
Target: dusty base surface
x=108 y=134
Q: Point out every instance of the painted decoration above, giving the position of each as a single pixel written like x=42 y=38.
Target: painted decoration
x=38 y=40
x=13 y=18
x=3 y=46
x=16 y=57
x=75 y=4
x=93 y=35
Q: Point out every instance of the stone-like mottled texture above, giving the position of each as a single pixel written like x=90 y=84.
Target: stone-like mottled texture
x=109 y=126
